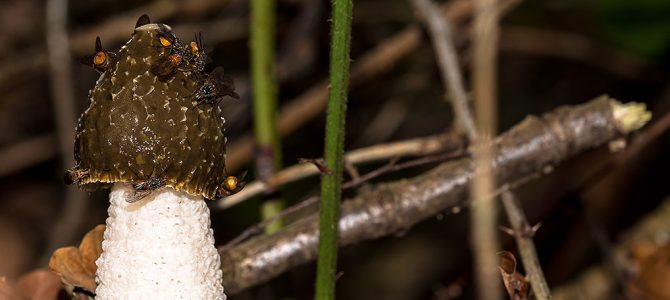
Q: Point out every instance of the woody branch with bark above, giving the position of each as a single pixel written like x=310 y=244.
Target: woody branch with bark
x=526 y=150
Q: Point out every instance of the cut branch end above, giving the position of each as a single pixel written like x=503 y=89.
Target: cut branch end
x=630 y=116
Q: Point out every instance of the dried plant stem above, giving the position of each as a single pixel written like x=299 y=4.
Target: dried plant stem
x=268 y=154
x=484 y=223
x=354 y=182
x=412 y=147
x=444 y=49
x=523 y=234
x=484 y=212
x=329 y=211
x=440 y=34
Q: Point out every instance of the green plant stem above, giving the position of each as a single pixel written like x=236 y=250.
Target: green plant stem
x=335 y=119
x=268 y=158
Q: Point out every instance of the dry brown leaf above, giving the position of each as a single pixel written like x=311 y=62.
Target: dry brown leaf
x=515 y=283
x=76 y=266
x=652 y=278
x=91 y=247
x=39 y=284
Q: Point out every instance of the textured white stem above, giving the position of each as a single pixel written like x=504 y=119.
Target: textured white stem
x=160 y=247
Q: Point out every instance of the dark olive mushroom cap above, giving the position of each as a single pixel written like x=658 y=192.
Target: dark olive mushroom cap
x=138 y=127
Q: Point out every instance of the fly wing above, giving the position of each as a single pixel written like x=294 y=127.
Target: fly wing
x=224 y=83
x=228 y=87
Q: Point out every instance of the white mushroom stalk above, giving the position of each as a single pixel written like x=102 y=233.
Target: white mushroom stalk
x=161 y=247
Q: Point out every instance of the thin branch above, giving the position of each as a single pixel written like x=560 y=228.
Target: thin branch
x=484 y=214
x=440 y=34
x=412 y=147
x=258 y=228
x=393 y=166
x=524 y=150
x=523 y=233
x=354 y=182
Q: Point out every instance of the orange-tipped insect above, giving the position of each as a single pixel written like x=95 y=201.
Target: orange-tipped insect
x=167 y=66
x=101 y=60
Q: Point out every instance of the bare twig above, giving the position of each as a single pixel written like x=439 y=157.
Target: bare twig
x=354 y=182
x=387 y=208
x=449 y=66
x=483 y=214
x=394 y=166
x=440 y=34
x=351 y=170
x=413 y=147
x=258 y=228
x=523 y=233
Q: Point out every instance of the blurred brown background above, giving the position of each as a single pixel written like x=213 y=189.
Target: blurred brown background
x=551 y=53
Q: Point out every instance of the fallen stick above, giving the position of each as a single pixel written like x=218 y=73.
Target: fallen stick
x=531 y=147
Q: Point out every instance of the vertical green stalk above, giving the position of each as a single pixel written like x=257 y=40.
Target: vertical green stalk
x=268 y=159
x=335 y=119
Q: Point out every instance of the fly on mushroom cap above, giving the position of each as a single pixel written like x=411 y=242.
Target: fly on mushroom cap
x=143 y=130
x=101 y=60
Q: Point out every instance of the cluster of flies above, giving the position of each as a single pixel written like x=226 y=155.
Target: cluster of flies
x=212 y=87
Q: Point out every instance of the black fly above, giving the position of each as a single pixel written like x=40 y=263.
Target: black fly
x=101 y=60
x=169 y=41
x=216 y=86
x=144 y=188
x=196 y=56
x=166 y=66
x=75 y=175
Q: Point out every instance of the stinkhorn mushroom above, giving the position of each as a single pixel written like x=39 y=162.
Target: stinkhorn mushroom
x=154 y=134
